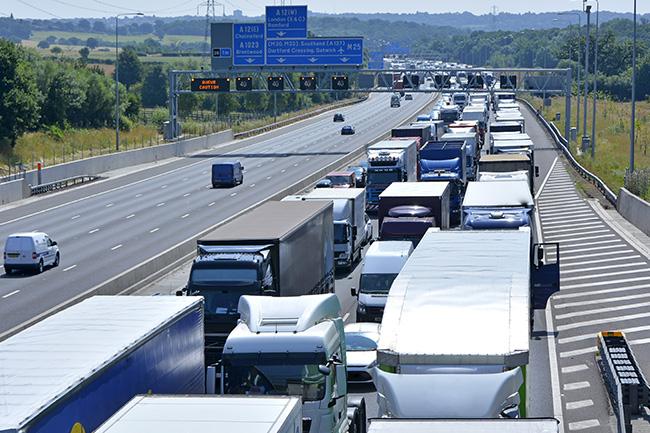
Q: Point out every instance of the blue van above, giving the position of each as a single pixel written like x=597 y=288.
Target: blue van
x=227 y=173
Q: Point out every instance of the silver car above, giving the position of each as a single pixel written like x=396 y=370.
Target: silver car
x=361 y=350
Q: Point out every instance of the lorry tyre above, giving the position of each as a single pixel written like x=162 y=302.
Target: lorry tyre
x=353 y=420
x=57 y=259
x=359 y=403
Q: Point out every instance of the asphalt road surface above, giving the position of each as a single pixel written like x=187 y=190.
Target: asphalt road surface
x=107 y=228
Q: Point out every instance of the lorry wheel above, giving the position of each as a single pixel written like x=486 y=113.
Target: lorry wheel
x=353 y=420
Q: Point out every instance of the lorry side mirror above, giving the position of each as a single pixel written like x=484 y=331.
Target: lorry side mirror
x=353 y=292
x=540 y=254
x=354 y=231
x=536 y=171
x=181 y=292
x=324 y=370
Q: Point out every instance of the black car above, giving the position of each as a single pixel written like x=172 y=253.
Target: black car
x=360 y=175
x=324 y=183
x=347 y=130
x=338 y=117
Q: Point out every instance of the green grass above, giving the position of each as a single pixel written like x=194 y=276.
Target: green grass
x=612 y=137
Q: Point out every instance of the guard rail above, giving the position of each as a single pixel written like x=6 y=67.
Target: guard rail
x=61 y=184
x=564 y=146
x=625 y=383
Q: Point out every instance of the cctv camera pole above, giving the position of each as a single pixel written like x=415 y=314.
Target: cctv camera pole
x=584 y=118
x=631 y=169
x=593 y=113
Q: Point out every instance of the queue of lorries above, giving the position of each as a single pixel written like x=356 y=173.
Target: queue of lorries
x=256 y=341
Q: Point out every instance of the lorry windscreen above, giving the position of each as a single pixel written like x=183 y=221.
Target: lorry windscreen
x=285 y=379
x=376 y=283
x=218 y=275
x=383 y=177
x=340 y=233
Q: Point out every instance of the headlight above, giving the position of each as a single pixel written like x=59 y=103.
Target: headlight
x=361 y=308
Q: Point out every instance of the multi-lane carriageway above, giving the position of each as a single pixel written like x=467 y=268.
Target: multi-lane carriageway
x=108 y=227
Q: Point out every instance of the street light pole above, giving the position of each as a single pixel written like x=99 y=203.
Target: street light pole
x=593 y=113
x=633 y=120
x=578 y=69
x=117 y=80
x=584 y=118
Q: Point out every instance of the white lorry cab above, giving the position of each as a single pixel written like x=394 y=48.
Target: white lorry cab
x=382 y=263
x=30 y=251
x=294 y=345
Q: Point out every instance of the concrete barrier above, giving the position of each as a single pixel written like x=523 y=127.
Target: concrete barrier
x=13 y=190
x=634 y=209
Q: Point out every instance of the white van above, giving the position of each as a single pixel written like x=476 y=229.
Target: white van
x=30 y=251
x=382 y=263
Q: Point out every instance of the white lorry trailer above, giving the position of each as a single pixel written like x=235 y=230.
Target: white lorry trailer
x=349 y=220
x=383 y=262
x=294 y=346
x=454 y=338
x=535 y=425
x=206 y=414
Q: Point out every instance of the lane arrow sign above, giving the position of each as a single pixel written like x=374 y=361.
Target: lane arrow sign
x=250 y=60
x=281 y=59
x=312 y=59
x=280 y=33
x=345 y=59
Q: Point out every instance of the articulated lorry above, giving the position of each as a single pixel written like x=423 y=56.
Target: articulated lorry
x=497 y=205
x=390 y=161
x=508 y=166
x=349 y=220
x=206 y=414
x=421 y=131
x=533 y=425
x=454 y=338
x=277 y=249
x=294 y=346
x=381 y=265
x=73 y=370
x=408 y=209
x=447 y=161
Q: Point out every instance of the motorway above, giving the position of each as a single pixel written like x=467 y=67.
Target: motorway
x=109 y=227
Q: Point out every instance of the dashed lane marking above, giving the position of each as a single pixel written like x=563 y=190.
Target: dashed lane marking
x=576 y=385
x=109 y=205
x=212 y=204
x=160 y=204
x=93 y=231
x=116 y=247
x=154 y=230
x=10 y=294
x=572 y=405
x=138 y=195
x=233 y=194
x=187 y=194
x=69 y=268
x=582 y=425
x=185 y=216
x=75 y=217
x=128 y=217
x=574 y=368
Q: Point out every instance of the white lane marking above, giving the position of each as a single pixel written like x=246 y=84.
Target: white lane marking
x=163 y=187
x=582 y=425
x=296 y=164
x=574 y=368
x=602 y=310
x=605 y=275
x=566 y=210
x=576 y=385
x=93 y=231
x=640 y=341
x=212 y=204
x=568 y=250
x=590 y=336
x=600 y=292
x=575 y=228
x=572 y=405
x=160 y=204
x=10 y=294
x=283 y=170
x=586 y=238
x=601 y=301
x=116 y=247
x=578 y=234
x=603 y=321
x=233 y=194
x=558 y=202
x=208 y=186
x=345 y=317
x=187 y=194
x=565 y=265
x=109 y=205
x=546 y=179
x=154 y=230
x=604 y=283
x=600 y=268
x=252 y=185
x=571 y=223
x=185 y=216
x=564 y=193
x=69 y=268
x=75 y=217
x=570 y=216
x=138 y=195
x=268 y=178
x=128 y=217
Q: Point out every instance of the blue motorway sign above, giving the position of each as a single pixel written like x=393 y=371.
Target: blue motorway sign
x=376 y=60
x=314 y=51
x=248 y=44
x=286 y=21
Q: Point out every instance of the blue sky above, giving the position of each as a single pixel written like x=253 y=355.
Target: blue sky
x=98 y=8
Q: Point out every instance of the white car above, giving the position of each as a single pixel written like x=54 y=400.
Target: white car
x=367 y=235
x=361 y=350
x=30 y=251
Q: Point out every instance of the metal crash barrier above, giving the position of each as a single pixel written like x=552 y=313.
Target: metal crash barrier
x=61 y=184
x=625 y=383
